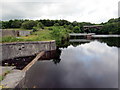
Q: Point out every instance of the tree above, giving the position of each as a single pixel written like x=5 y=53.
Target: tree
x=5 y=24
x=56 y=24
x=76 y=29
x=75 y=23
x=70 y=27
x=0 y=24
x=29 y=24
x=40 y=25
x=16 y=24
x=35 y=29
x=112 y=20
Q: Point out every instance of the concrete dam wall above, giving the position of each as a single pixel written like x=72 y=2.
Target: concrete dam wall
x=22 y=49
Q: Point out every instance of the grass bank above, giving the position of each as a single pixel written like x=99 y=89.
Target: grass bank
x=36 y=36
x=57 y=33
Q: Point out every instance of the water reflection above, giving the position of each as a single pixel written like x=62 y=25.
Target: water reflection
x=110 y=41
x=21 y=62
x=89 y=65
x=53 y=55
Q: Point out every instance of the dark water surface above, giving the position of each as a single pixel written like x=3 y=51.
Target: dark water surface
x=87 y=65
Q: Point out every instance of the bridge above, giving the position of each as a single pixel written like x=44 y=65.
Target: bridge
x=79 y=40
x=81 y=34
x=92 y=26
x=83 y=37
x=88 y=28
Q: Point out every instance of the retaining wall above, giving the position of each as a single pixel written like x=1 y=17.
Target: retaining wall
x=9 y=33
x=21 y=49
x=24 y=33
x=15 y=33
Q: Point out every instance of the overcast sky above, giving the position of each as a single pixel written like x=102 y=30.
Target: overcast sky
x=95 y=11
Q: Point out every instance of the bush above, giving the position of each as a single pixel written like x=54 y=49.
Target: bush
x=40 y=25
x=50 y=28
x=58 y=33
x=56 y=24
x=35 y=29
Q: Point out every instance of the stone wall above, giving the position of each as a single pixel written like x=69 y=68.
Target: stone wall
x=24 y=33
x=9 y=33
x=21 y=49
x=15 y=33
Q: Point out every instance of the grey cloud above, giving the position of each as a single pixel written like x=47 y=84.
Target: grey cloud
x=34 y=9
x=24 y=9
x=79 y=10
x=119 y=9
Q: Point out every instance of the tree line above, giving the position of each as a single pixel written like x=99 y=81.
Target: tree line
x=35 y=24
x=110 y=27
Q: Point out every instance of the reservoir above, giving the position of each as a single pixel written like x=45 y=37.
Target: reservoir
x=92 y=64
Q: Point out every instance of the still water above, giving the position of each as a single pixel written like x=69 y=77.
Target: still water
x=83 y=65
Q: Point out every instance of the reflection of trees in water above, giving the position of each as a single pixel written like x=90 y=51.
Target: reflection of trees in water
x=52 y=55
x=75 y=44
x=111 y=41
x=57 y=59
x=65 y=44
x=55 y=55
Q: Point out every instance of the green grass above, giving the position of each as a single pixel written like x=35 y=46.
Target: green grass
x=10 y=39
x=43 y=35
x=39 y=36
x=4 y=74
x=1 y=78
x=56 y=33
